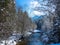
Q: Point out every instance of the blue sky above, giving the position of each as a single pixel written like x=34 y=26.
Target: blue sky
x=28 y=5
x=31 y=5
x=23 y=3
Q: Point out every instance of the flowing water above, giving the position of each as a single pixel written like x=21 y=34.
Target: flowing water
x=35 y=39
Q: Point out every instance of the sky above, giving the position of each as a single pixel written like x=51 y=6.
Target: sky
x=22 y=3
x=31 y=5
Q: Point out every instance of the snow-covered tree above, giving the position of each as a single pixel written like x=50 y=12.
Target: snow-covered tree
x=6 y=12
x=47 y=10
x=24 y=23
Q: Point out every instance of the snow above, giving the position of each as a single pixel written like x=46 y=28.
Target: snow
x=29 y=33
x=12 y=40
x=8 y=42
x=1 y=9
x=36 y=31
x=38 y=13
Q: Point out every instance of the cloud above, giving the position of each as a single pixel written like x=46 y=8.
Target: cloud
x=34 y=4
x=36 y=8
x=38 y=13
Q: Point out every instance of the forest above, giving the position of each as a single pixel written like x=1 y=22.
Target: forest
x=17 y=23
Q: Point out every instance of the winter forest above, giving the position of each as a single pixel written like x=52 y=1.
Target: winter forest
x=29 y=22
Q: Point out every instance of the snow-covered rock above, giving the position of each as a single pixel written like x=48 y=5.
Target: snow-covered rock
x=8 y=42
x=11 y=42
x=36 y=31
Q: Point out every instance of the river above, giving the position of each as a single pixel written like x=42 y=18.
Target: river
x=35 y=39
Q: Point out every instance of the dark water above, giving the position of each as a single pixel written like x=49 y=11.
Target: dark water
x=35 y=39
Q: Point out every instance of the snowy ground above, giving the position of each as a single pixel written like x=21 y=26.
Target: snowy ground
x=34 y=39
x=8 y=42
x=12 y=40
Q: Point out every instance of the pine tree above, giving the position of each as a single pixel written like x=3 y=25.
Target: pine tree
x=24 y=23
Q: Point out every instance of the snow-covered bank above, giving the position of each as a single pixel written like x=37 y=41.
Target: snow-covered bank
x=8 y=42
